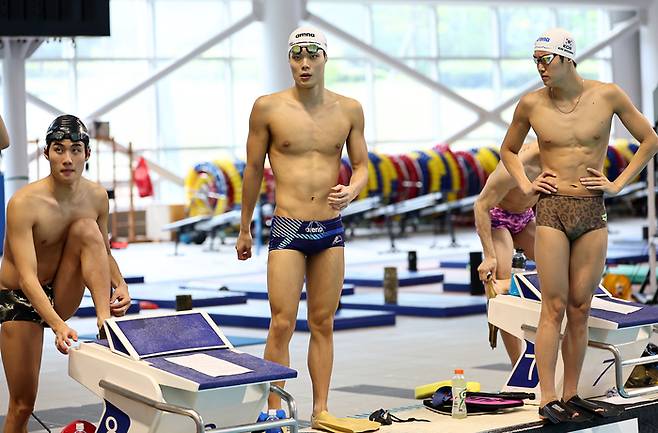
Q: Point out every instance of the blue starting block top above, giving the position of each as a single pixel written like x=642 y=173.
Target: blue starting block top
x=405 y=278
x=627 y=254
x=617 y=254
x=464 y=264
x=262 y=371
x=134 y=279
x=420 y=304
x=461 y=287
x=256 y=314
x=158 y=339
x=251 y=289
x=647 y=314
x=87 y=309
x=164 y=295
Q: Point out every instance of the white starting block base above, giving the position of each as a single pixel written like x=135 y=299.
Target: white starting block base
x=618 y=333
x=144 y=392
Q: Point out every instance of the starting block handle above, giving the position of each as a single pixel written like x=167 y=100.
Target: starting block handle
x=620 y=363
x=165 y=407
x=289 y=399
x=198 y=421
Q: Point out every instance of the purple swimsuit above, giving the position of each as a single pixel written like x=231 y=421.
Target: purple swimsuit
x=514 y=222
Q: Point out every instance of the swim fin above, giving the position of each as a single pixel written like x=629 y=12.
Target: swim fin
x=327 y=422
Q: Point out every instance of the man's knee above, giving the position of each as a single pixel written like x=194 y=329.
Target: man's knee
x=578 y=311
x=85 y=230
x=21 y=408
x=321 y=323
x=553 y=309
x=282 y=326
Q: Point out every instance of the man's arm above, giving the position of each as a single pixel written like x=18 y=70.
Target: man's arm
x=509 y=151
x=498 y=185
x=120 y=299
x=357 y=150
x=20 y=222
x=641 y=130
x=257 y=142
x=4 y=135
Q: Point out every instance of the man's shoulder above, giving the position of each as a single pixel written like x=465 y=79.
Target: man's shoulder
x=30 y=190
x=272 y=99
x=28 y=196
x=266 y=104
x=607 y=90
x=345 y=100
x=534 y=96
x=350 y=105
x=96 y=189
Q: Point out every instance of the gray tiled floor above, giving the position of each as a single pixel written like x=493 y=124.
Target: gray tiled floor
x=374 y=367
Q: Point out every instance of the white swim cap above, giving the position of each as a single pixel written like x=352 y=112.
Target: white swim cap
x=557 y=41
x=306 y=35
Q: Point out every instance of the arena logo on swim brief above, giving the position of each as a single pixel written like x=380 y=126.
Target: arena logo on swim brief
x=314 y=227
x=338 y=239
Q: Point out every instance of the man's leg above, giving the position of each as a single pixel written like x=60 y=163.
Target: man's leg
x=552 y=257
x=525 y=240
x=84 y=262
x=21 y=343
x=324 y=283
x=285 y=277
x=504 y=247
x=587 y=262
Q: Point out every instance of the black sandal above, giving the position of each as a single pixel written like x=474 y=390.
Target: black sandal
x=558 y=412
x=599 y=408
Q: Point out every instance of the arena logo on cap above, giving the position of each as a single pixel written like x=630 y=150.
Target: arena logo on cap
x=310 y=35
x=543 y=39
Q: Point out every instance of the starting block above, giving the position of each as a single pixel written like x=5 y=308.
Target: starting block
x=618 y=333
x=153 y=373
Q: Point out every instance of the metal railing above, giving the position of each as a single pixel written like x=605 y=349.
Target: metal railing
x=291 y=421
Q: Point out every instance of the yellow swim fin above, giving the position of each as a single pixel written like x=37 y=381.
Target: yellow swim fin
x=424 y=391
x=327 y=422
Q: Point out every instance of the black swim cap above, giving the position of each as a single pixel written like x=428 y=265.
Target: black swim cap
x=67 y=126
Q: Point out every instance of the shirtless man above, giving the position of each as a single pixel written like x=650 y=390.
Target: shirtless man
x=504 y=220
x=56 y=244
x=302 y=130
x=571 y=117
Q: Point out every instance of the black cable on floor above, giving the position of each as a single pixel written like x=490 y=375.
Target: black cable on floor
x=41 y=422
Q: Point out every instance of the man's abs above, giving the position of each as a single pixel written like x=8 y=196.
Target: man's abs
x=302 y=192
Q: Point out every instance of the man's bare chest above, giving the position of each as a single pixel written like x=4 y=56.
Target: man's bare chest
x=293 y=133
x=589 y=124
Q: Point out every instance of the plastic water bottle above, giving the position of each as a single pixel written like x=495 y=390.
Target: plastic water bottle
x=518 y=261
x=459 y=395
x=518 y=265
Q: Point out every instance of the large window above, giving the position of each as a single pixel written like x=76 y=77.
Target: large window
x=200 y=112
x=481 y=52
